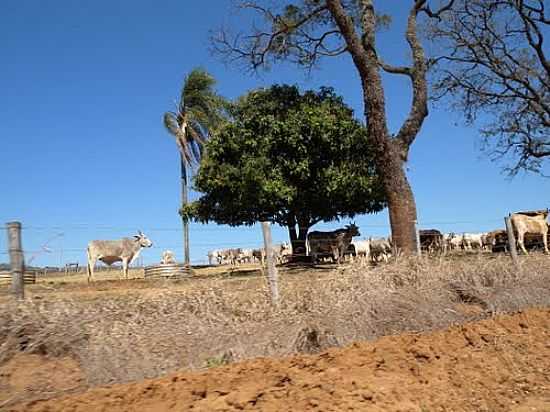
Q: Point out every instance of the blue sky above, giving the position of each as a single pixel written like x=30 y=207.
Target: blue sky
x=84 y=154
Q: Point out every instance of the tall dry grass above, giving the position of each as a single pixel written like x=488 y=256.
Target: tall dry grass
x=120 y=333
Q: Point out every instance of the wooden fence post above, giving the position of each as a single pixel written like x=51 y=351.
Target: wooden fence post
x=418 y=245
x=17 y=260
x=511 y=241
x=272 y=275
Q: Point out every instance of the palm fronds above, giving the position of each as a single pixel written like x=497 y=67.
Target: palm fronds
x=199 y=113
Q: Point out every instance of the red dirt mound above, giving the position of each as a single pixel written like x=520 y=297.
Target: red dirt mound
x=500 y=364
x=28 y=376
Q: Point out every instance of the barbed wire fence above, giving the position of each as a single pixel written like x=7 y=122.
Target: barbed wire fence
x=63 y=247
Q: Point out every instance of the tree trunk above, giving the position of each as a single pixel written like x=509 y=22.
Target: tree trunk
x=401 y=204
x=390 y=165
x=184 y=201
x=298 y=240
x=293 y=236
x=390 y=152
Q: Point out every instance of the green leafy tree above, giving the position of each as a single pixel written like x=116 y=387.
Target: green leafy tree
x=307 y=31
x=289 y=158
x=198 y=112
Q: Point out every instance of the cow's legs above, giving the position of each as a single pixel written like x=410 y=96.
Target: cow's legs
x=91 y=264
x=313 y=257
x=336 y=255
x=125 y=267
x=520 y=242
x=545 y=242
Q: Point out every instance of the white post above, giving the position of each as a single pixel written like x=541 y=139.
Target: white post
x=272 y=275
x=17 y=259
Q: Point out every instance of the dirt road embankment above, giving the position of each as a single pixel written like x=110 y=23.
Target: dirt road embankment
x=499 y=364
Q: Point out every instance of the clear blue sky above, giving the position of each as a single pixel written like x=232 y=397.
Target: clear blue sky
x=84 y=154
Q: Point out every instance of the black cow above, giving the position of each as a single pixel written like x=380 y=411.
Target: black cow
x=333 y=243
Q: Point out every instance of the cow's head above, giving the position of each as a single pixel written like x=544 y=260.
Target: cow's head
x=143 y=240
x=353 y=230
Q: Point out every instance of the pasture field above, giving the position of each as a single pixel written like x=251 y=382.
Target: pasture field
x=70 y=336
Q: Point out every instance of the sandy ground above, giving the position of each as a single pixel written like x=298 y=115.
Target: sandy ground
x=499 y=364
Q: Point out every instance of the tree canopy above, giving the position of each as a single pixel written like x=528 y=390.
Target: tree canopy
x=290 y=158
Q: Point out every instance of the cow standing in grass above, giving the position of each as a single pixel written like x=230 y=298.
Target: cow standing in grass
x=380 y=249
x=333 y=243
x=531 y=222
x=167 y=258
x=124 y=250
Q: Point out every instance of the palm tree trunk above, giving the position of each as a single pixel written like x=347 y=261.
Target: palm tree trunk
x=184 y=201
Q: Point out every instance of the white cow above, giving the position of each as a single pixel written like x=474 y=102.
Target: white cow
x=472 y=241
x=361 y=249
x=245 y=256
x=453 y=241
x=167 y=258
x=124 y=250
x=380 y=249
x=282 y=252
x=535 y=223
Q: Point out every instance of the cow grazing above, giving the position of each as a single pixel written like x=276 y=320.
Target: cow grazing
x=124 y=250
x=332 y=243
x=360 y=249
x=214 y=256
x=282 y=252
x=453 y=241
x=380 y=249
x=472 y=241
x=431 y=240
x=245 y=256
x=530 y=223
x=167 y=258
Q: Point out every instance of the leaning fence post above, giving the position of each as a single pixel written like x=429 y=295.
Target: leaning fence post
x=272 y=275
x=511 y=241
x=17 y=260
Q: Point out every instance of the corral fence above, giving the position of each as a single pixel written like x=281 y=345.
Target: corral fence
x=29 y=278
x=166 y=271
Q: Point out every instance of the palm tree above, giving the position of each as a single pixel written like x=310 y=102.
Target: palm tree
x=197 y=114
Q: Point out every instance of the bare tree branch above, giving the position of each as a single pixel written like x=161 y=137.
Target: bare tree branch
x=492 y=65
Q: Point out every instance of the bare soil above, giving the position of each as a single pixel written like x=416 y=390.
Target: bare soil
x=498 y=364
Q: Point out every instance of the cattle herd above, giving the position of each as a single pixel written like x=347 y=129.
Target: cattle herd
x=531 y=230
x=236 y=256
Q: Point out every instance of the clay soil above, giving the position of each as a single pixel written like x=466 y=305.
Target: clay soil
x=498 y=364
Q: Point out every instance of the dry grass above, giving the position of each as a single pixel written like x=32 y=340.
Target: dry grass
x=127 y=330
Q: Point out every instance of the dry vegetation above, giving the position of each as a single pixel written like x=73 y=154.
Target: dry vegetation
x=120 y=331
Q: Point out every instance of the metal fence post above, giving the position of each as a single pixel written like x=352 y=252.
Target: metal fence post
x=272 y=275
x=17 y=259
